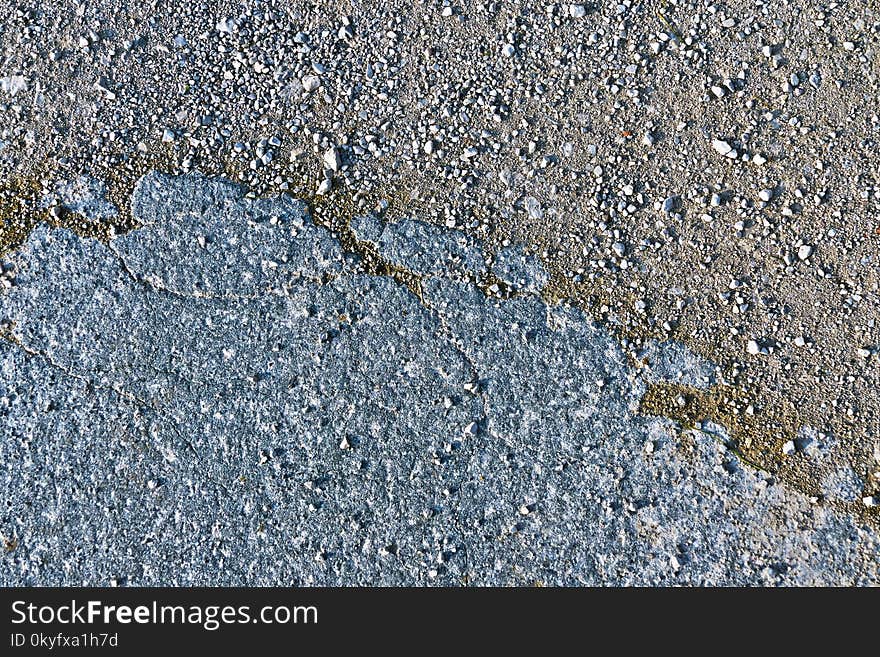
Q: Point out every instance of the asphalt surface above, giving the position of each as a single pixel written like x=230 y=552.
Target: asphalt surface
x=221 y=398
x=697 y=181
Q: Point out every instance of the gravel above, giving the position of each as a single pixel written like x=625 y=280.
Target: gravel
x=628 y=158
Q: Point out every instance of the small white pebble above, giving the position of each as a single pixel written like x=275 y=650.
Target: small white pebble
x=332 y=160
x=721 y=146
x=311 y=82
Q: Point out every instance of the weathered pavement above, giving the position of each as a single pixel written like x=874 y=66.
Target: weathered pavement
x=220 y=398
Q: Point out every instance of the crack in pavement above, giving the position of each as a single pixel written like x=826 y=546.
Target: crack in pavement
x=449 y=336
x=12 y=339
x=161 y=288
x=142 y=405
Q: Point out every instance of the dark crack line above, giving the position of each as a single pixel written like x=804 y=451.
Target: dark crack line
x=36 y=353
x=206 y=296
x=449 y=336
x=198 y=455
x=141 y=405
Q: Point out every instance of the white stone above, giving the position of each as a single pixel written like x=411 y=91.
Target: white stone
x=533 y=207
x=12 y=84
x=311 y=82
x=721 y=146
x=805 y=251
x=332 y=159
x=226 y=26
x=103 y=85
x=753 y=348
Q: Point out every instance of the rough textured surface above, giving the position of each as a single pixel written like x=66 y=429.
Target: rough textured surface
x=83 y=195
x=686 y=171
x=422 y=248
x=218 y=398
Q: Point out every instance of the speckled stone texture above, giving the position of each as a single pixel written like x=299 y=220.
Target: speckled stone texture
x=218 y=398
